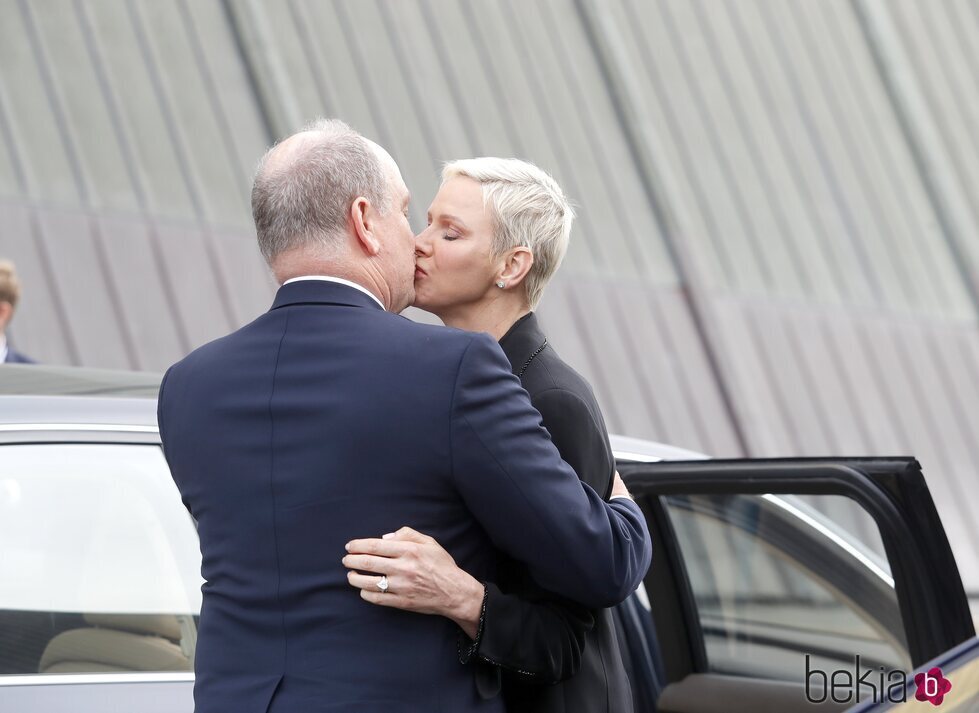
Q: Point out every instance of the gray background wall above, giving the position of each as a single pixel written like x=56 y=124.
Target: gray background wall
x=777 y=252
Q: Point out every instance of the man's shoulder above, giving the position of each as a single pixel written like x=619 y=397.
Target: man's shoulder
x=209 y=349
x=216 y=352
x=421 y=332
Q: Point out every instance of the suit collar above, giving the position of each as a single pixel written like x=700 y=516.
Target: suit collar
x=322 y=292
x=522 y=340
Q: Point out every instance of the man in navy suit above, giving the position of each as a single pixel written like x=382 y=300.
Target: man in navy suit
x=9 y=296
x=331 y=418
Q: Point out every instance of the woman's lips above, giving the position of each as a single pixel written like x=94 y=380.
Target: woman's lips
x=419 y=272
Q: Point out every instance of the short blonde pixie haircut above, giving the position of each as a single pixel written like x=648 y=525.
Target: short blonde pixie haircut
x=529 y=210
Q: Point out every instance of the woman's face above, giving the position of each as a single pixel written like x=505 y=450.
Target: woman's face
x=454 y=269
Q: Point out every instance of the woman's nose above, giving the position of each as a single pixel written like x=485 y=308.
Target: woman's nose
x=422 y=243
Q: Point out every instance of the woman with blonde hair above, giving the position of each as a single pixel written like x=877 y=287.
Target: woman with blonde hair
x=497 y=232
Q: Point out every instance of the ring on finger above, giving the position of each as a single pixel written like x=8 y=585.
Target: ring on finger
x=382 y=584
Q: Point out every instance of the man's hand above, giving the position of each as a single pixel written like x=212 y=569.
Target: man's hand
x=422 y=577
x=618 y=487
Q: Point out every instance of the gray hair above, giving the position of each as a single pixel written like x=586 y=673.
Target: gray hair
x=305 y=199
x=528 y=208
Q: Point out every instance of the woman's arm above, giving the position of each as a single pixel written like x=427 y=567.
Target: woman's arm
x=420 y=576
x=539 y=640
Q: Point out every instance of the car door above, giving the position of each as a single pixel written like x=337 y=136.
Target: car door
x=792 y=583
x=99 y=574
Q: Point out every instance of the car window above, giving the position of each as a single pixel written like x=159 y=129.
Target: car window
x=100 y=564
x=775 y=582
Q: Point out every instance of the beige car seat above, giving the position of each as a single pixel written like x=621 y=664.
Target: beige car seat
x=121 y=642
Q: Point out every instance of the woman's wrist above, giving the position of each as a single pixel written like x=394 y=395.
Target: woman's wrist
x=470 y=641
x=469 y=605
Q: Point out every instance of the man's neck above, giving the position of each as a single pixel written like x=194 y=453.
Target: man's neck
x=309 y=261
x=363 y=278
x=337 y=280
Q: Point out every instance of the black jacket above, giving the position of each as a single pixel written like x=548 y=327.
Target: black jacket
x=552 y=655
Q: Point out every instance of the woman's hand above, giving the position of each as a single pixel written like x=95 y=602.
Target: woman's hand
x=618 y=488
x=421 y=576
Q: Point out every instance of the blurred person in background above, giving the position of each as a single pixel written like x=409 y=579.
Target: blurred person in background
x=497 y=231
x=9 y=296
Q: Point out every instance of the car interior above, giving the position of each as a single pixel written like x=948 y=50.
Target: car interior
x=59 y=642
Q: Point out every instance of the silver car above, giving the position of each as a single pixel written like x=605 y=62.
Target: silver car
x=768 y=576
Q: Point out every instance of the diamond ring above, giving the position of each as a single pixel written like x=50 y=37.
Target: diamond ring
x=383 y=584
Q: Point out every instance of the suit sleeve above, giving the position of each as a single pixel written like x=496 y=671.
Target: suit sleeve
x=528 y=500
x=159 y=413
x=542 y=640
x=161 y=407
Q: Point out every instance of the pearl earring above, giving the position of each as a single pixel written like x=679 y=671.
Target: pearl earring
x=501 y=284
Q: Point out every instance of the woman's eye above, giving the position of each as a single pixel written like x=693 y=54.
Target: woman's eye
x=450 y=237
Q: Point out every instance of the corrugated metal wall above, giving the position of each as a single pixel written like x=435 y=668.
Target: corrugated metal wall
x=777 y=252
x=836 y=302
x=129 y=132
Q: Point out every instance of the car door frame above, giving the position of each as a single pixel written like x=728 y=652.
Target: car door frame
x=157 y=692
x=933 y=604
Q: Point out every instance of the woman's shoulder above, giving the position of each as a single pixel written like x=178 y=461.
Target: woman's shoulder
x=549 y=375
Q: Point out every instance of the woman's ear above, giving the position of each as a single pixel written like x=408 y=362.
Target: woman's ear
x=363 y=217
x=516 y=266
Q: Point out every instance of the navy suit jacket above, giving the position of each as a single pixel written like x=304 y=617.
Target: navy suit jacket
x=17 y=358
x=328 y=419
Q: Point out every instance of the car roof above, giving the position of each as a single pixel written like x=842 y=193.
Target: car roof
x=38 y=380
x=40 y=394
x=34 y=394
x=641 y=450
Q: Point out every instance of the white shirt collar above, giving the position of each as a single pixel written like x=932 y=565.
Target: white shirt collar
x=340 y=280
x=3 y=348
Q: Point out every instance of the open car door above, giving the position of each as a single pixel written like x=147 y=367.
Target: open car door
x=793 y=584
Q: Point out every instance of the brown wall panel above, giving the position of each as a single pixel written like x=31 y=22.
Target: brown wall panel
x=144 y=292
x=251 y=286
x=761 y=415
x=685 y=351
x=782 y=360
x=90 y=298
x=200 y=282
x=839 y=415
x=660 y=379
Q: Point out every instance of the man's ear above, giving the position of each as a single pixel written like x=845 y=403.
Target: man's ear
x=363 y=216
x=516 y=266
